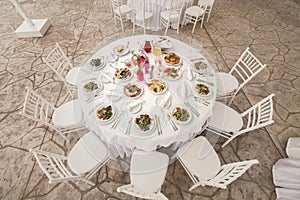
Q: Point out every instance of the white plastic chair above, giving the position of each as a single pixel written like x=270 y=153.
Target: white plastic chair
x=62 y=66
x=147 y=173
x=293 y=147
x=228 y=123
x=87 y=156
x=195 y=14
x=63 y=119
x=246 y=68
x=120 y=11
x=140 y=16
x=209 y=7
x=171 y=17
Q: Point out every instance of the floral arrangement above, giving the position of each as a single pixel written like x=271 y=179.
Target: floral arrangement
x=138 y=58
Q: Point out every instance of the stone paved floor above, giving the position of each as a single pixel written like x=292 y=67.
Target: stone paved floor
x=271 y=30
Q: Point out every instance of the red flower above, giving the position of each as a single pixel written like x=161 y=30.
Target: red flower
x=177 y=108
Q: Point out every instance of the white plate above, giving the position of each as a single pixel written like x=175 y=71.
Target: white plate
x=88 y=92
x=136 y=108
x=110 y=119
x=138 y=85
x=169 y=77
x=96 y=68
x=137 y=128
x=127 y=78
x=178 y=121
x=173 y=65
x=121 y=53
x=165 y=89
x=200 y=66
x=203 y=96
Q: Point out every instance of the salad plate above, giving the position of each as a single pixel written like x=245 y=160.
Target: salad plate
x=172 y=59
x=92 y=87
x=144 y=123
x=172 y=73
x=200 y=66
x=133 y=90
x=105 y=114
x=121 y=50
x=202 y=90
x=123 y=74
x=96 y=64
x=157 y=86
x=180 y=114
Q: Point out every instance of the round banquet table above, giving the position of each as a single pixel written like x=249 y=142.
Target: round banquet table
x=177 y=93
x=155 y=7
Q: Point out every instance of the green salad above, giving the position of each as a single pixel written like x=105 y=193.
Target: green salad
x=143 y=122
x=105 y=113
x=181 y=114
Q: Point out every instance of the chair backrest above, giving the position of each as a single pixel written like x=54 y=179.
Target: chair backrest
x=52 y=165
x=177 y=5
x=230 y=173
x=58 y=62
x=37 y=108
x=259 y=115
x=246 y=67
x=116 y=4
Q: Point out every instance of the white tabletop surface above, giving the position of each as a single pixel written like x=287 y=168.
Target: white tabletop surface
x=180 y=90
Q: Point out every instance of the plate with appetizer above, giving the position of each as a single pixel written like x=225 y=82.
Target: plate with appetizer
x=96 y=64
x=172 y=59
x=105 y=113
x=202 y=90
x=92 y=87
x=143 y=123
x=181 y=114
x=133 y=90
x=157 y=86
x=172 y=73
x=121 y=50
x=200 y=66
x=123 y=74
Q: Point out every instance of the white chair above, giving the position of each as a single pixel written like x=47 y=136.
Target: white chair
x=120 y=11
x=209 y=7
x=87 y=156
x=63 y=119
x=140 y=16
x=293 y=147
x=62 y=66
x=246 y=68
x=287 y=194
x=195 y=14
x=202 y=164
x=147 y=174
x=171 y=17
x=228 y=123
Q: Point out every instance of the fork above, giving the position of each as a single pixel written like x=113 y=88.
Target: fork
x=114 y=126
x=129 y=126
x=204 y=102
x=172 y=123
x=192 y=109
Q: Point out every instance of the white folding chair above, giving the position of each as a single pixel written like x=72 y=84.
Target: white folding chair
x=87 y=156
x=228 y=123
x=171 y=17
x=120 y=11
x=246 y=68
x=147 y=173
x=209 y=7
x=140 y=16
x=63 y=68
x=293 y=147
x=195 y=14
x=63 y=119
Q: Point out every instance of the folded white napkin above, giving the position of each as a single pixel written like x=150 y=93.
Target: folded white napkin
x=106 y=78
x=134 y=104
x=190 y=75
x=166 y=98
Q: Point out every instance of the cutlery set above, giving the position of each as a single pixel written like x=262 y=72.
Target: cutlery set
x=115 y=124
x=172 y=123
x=192 y=109
x=158 y=126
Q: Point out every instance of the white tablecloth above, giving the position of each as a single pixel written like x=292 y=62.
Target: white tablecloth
x=156 y=6
x=125 y=144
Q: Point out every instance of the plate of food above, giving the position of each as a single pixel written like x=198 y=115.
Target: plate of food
x=105 y=114
x=121 y=50
x=172 y=73
x=92 y=87
x=181 y=114
x=123 y=74
x=96 y=64
x=202 y=90
x=157 y=86
x=144 y=123
x=172 y=59
x=133 y=90
x=200 y=66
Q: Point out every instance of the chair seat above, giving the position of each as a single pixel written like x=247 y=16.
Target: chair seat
x=87 y=153
x=72 y=75
x=293 y=147
x=226 y=83
x=139 y=16
x=148 y=170
x=194 y=11
x=123 y=10
x=287 y=194
x=68 y=115
x=200 y=158
x=167 y=16
x=225 y=118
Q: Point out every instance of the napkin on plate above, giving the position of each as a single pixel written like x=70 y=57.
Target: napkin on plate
x=106 y=78
x=134 y=104
x=190 y=75
x=165 y=100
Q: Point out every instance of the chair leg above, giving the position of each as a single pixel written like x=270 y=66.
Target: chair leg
x=194 y=26
x=121 y=20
